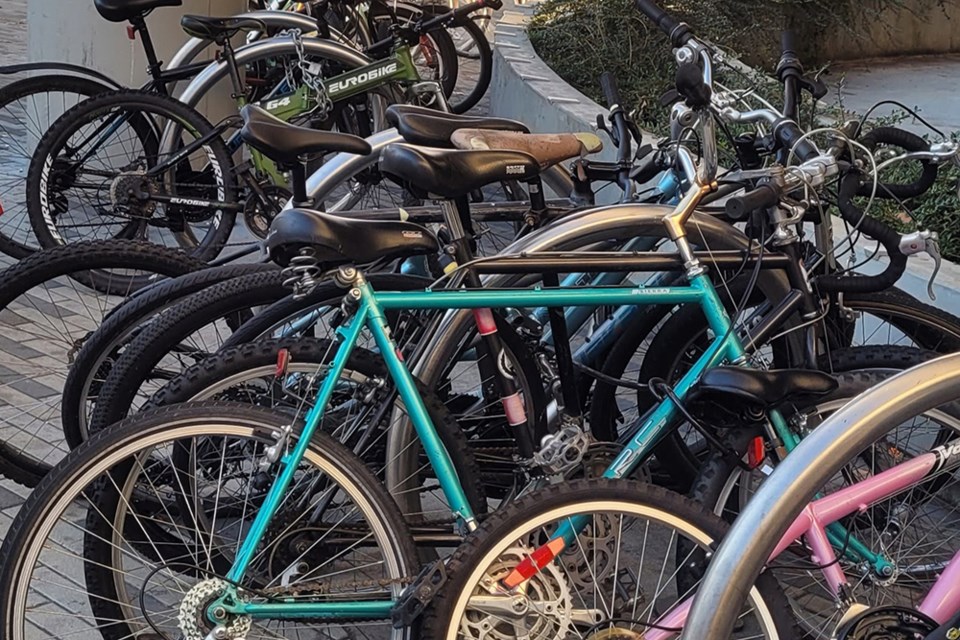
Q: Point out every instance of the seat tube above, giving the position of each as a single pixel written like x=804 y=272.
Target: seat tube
x=407 y=389
x=504 y=381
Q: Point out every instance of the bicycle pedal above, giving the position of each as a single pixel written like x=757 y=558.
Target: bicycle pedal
x=417 y=596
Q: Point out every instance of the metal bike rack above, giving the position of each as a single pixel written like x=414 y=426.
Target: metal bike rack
x=792 y=485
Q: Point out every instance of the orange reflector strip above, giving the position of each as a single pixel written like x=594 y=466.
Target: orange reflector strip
x=533 y=563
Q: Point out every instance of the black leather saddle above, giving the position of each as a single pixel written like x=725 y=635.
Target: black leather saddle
x=419 y=125
x=218 y=29
x=287 y=143
x=454 y=173
x=739 y=388
x=121 y=10
x=337 y=240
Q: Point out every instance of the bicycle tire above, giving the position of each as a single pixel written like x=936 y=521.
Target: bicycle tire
x=484 y=54
x=515 y=521
x=92 y=363
x=719 y=477
x=139 y=104
x=19 y=241
x=227 y=300
x=73 y=261
x=110 y=448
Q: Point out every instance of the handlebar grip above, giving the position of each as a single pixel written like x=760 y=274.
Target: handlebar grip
x=911 y=143
x=789 y=136
x=691 y=86
x=611 y=92
x=678 y=32
x=739 y=208
x=873 y=228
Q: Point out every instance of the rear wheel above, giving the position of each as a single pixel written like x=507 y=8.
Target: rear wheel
x=94 y=176
x=143 y=519
x=28 y=108
x=47 y=316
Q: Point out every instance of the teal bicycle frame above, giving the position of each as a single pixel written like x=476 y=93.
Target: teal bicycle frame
x=370 y=315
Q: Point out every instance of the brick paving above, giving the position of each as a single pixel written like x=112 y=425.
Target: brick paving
x=38 y=332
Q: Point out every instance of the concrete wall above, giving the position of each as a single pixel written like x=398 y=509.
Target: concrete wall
x=73 y=31
x=916 y=28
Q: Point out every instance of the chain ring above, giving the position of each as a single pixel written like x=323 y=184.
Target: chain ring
x=542 y=626
x=258 y=215
x=887 y=623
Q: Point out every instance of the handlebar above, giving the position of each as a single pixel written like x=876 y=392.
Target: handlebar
x=739 y=208
x=912 y=143
x=873 y=228
x=621 y=129
x=692 y=86
x=678 y=32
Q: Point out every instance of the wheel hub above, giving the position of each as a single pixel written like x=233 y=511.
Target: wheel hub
x=131 y=191
x=888 y=623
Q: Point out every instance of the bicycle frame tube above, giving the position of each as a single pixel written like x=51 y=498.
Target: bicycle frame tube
x=370 y=315
x=943 y=599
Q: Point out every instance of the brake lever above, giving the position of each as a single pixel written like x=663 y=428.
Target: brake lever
x=924 y=242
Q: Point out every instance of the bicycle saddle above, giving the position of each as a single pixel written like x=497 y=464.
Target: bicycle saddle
x=548 y=148
x=218 y=29
x=286 y=143
x=741 y=388
x=337 y=240
x=419 y=125
x=451 y=173
x=121 y=10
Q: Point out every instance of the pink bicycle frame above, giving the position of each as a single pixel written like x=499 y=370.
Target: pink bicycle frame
x=943 y=599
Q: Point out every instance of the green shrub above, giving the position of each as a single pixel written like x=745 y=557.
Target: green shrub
x=580 y=39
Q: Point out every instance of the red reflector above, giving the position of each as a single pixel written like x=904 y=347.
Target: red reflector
x=283 y=359
x=533 y=563
x=756 y=453
x=131 y=32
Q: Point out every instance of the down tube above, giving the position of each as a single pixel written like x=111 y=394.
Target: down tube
x=726 y=347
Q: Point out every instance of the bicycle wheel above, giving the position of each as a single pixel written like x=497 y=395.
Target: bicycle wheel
x=190 y=332
x=101 y=349
x=917 y=531
x=476 y=65
x=619 y=578
x=28 y=108
x=141 y=520
x=47 y=314
x=92 y=176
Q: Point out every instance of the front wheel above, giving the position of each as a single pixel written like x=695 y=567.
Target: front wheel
x=142 y=520
x=620 y=578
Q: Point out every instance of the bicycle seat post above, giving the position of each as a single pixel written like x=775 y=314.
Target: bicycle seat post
x=298 y=182
x=154 y=66
x=231 y=59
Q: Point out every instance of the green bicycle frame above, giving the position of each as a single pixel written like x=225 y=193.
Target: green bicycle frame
x=399 y=67
x=370 y=315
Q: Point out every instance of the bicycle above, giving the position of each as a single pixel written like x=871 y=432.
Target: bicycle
x=338 y=246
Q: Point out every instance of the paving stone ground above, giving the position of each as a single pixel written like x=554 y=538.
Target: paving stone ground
x=37 y=335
